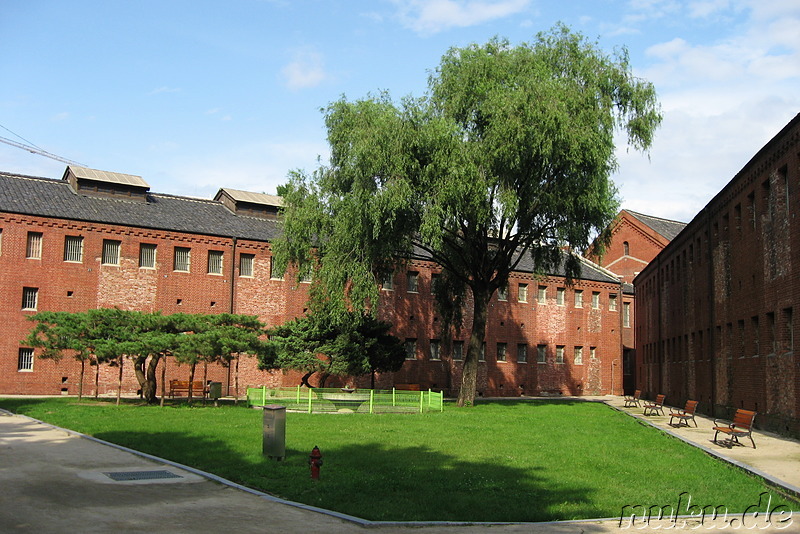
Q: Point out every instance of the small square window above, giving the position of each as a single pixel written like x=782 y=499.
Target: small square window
x=147 y=256
x=215 y=261
x=25 y=360
x=110 y=252
x=435 y=349
x=30 y=298
x=182 y=260
x=541 y=354
x=73 y=248
x=501 y=352
x=412 y=279
x=33 y=247
x=246 y=264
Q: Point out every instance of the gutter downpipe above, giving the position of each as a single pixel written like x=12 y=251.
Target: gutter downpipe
x=712 y=315
x=232 y=303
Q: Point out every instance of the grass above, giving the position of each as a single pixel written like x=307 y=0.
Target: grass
x=498 y=461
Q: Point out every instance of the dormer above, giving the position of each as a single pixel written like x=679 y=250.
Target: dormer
x=106 y=184
x=252 y=204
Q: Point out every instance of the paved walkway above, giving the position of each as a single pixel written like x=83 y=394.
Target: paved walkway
x=53 y=481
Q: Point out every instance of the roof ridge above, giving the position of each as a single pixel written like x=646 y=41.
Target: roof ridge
x=635 y=213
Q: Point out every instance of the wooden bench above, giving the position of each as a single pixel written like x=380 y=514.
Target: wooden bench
x=652 y=408
x=684 y=415
x=177 y=387
x=741 y=426
x=633 y=400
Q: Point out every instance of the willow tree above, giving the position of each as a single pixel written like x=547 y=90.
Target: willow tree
x=509 y=155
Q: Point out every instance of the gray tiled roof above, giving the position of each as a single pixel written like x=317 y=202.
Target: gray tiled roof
x=665 y=227
x=55 y=198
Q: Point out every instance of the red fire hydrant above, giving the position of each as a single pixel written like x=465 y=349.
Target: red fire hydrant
x=315 y=461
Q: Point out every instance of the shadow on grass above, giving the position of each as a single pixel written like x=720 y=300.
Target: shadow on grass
x=376 y=482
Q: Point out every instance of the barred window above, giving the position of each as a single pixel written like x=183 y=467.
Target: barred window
x=522 y=353
x=273 y=272
x=411 y=349
x=501 y=352
x=595 y=300
x=182 y=259
x=147 y=256
x=559 y=354
x=73 y=248
x=110 y=252
x=307 y=276
x=578 y=298
x=25 y=360
x=411 y=281
x=542 y=294
x=578 y=356
x=388 y=282
x=214 y=262
x=541 y=354
x=435 y=349
x=458 y=350
x=626 y=314
x=33 y=249
x=560 y=296
x=522 y=293
x=246 y=264
x=502 y=293
x=612 y=303
x=30 y=298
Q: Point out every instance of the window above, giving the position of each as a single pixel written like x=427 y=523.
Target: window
x=33 y=249
x=626 y=248
x=578 y=298
x=73 y=248
x=25 y=360
x=559 y=354
x=182 y=259
x=214 y=262
x=502 y=293
x=595 y=300
x=612 y=303
x=435 y=281
x=626 y=314
x=541 y=354
x=246 y=264
x=755 y=334
x=435 y=354
x=522 y=293
x=147 y=256
x=388 y=282
x=30 y=298
x=542 y=294
x=308 y=275
x=522 y=353
x=412 y=277
x=458 y=350
x=482 y=354
x=110 y=252
x=501 y=352
x=578 y=356
x=273 y=270
x=593 y=353
x=411 y=349
x=560 y=296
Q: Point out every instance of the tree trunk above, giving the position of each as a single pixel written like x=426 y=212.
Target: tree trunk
x=469 y=376
x=96 y=377
x=205 y=379
x=119 y=380
x=80 y=384
x=163 y=381
x=304 y=380
x=150 y=386
x=236 y=382
x=191 y=383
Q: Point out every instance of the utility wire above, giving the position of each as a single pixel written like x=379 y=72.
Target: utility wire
x=32 y=148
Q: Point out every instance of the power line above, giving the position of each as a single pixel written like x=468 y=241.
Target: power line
x=36 y=150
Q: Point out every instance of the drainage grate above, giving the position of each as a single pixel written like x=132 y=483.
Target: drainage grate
x=125 y=476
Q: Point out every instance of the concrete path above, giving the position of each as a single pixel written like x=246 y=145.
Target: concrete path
x=53 y=481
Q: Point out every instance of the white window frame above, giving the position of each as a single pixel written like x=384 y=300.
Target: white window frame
x=147 y=255
x=458 y=350
x=25 y=360
x=560 y=354
x=542 y=297
x=522 y=353
x=626 y=314
x=579 y=298
x=216 y=260
x=73 y=249
x=578 y=356
x=246 y=264
x=522 y=293
x=560 y=296
x=412 y=282
x=502 y=352
x=595 y=300
x=30 y=298
x=33 y=246
x=388 y=282
x=179 y=263
x=502 y=293
x=612 y=303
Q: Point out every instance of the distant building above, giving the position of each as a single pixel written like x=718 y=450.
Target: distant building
x=98 y=239
x=715 y=309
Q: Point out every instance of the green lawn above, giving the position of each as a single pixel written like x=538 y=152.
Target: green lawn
x=498 y=461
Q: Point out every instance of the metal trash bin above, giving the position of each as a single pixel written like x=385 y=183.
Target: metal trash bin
x=275 y=432
x=215 y=390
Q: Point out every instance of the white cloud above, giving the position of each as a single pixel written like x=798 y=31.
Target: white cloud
x=432 y=16
x=164 y=89
x=305 y=70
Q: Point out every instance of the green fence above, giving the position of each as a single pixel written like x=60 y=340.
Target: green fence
x=332 y=400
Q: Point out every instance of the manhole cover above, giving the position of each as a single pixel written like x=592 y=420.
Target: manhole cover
x=125 y=476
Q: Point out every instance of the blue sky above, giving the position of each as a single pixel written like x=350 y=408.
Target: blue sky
x=197 y=95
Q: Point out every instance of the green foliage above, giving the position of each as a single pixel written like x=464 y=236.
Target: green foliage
x=352 y=344
x=507 y=158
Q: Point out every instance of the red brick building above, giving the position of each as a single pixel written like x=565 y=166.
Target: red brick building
x=636 y=239
x=714 y=318
x=98 y=239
